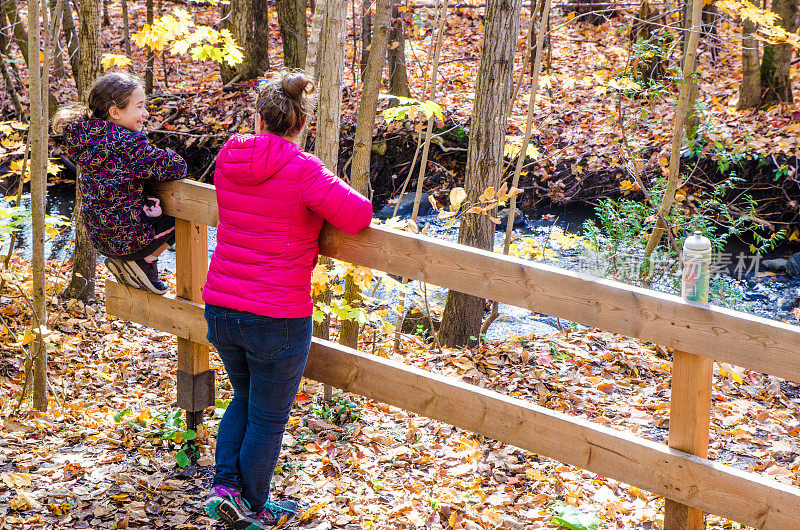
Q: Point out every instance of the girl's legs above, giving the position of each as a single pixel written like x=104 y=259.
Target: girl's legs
x=156 y=253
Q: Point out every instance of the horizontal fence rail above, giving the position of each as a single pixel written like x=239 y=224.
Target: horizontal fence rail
x=744 y=340
x=737 y=338
x=711 y=487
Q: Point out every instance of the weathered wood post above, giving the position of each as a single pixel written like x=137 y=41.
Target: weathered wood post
x=195 y=379
x=689 y=416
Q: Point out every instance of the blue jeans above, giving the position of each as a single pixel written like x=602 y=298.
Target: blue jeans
x=265 y=358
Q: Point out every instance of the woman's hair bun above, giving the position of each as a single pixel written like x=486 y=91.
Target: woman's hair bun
x=296 y=84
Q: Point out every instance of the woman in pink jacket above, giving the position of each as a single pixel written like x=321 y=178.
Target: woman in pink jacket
x=273 y=198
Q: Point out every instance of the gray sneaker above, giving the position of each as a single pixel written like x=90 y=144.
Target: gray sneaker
x=115 y=267
x=145 y=274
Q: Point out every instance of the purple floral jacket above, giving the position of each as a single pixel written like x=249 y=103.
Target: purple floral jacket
x=115 y=164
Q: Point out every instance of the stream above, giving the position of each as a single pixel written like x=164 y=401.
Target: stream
x=760 y=292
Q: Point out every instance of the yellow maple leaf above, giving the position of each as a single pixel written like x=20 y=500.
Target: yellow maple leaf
x=627 y=186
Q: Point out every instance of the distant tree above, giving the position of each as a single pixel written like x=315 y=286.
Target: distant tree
x=294 y=32
x=237 y=17
x=71 y=36
x=126 y=29
x=9 y=8
x=776 y=86
x=84 y=258
x=362 y=144
x=398 y=76
x=366 y=33
x=151 y=56
x=261 y=35
x=463 y=314
x=750 y=89
x=58 y=60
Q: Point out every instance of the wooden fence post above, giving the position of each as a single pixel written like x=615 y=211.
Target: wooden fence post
x=195 y=380
x=689 y=417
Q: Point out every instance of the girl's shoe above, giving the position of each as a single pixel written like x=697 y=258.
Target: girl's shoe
x=275 y=513
x=115 y=267
x=230 y=508
x=146 y=275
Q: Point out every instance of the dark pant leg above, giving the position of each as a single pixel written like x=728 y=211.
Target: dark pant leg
x=274 y=380
x=234 y=421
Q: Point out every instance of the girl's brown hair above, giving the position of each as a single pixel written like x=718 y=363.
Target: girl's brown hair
x=111 y=90
x=283 y=102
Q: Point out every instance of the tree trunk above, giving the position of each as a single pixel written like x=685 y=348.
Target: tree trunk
x=12 y=91
x=691 y=121
x=330 y=61
x=58 y=59
x=5 y=33
x=366 y=35
x=237 y=17
x=71 y=35
x=39 y=140
x=321 y=329
x=463 y=313
x=294 y=31
x=750 y=89
x=684 y=102
x=89 y=47
x=84 y=258
x=261 y=34
x=362 y=144
x=398 y=77
x=106 y=19
x=126 y=29
x=17 y=26
x=776 y=86
x=151 y=58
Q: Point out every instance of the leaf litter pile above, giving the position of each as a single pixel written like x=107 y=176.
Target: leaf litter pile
x=112 y=451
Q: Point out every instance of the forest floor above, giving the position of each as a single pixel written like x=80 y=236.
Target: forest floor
x=106 y=454
x=362 y=464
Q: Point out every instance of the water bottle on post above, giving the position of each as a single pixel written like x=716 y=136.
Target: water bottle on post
x=696 y=262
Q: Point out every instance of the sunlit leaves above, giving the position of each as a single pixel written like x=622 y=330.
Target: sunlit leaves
x=179 y=33
x=766 y=21
x=513 y=146
x=114 y=60
x=409 y=108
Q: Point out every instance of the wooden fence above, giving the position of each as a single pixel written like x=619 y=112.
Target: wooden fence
x=700 y=334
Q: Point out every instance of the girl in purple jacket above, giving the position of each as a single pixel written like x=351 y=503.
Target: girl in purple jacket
x=106 y=141
x=273 y=198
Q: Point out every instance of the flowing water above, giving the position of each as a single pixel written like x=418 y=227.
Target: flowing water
x=766 y=294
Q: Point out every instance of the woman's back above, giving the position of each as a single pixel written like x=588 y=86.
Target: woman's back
x=273 y=198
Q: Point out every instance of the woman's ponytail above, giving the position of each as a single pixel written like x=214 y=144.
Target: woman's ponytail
x=283 y=102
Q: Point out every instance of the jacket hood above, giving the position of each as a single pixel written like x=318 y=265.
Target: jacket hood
x=85 y=137
x=251 y=159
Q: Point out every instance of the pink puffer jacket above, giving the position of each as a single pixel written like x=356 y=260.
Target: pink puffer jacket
x=273 y=198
